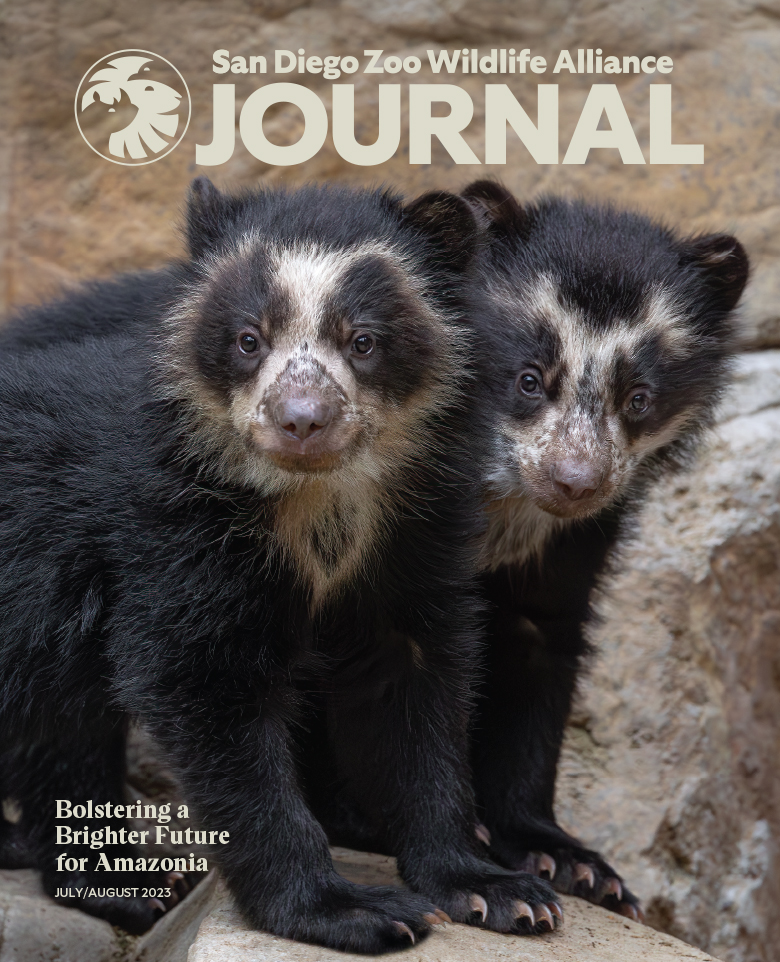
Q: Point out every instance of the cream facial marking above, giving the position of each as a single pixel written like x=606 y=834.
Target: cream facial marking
x=305 y=276
x=587 y=349
x=302 y=361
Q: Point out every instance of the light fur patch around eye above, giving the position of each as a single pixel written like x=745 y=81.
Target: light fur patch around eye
x=308 y=275
x=311 y=274
x=584 y=349
x=306 y=272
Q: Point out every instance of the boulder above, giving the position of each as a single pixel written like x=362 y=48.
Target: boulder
x=670 y=762
x=33 y=928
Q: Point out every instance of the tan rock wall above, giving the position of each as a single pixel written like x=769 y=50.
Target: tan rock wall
x=67 y=213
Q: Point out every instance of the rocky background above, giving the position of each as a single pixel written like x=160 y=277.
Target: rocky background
x=670 y=763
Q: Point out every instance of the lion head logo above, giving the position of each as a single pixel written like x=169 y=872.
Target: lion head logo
x=129 y=110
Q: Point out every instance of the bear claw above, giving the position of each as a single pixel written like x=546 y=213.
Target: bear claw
x=524 y=911
x=584 y=873
x=483 y=833
x=632 y=912
x=478 y=904
x=404 y=929
x=613 y=887
x=545 y=915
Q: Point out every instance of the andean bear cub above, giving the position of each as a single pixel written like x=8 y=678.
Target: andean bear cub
x=608 y=342
x=260 y=498
x=605 y=342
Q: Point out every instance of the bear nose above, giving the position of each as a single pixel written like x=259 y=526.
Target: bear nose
x=576 y=480
x=302 y=416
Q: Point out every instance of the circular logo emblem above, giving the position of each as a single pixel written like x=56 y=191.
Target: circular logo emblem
x=132 y=107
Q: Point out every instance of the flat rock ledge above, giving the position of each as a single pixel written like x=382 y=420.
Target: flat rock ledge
x=206 y=927
x=589 y=934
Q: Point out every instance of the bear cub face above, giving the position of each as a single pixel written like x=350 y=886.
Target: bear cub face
x=610 y=341
x=299 y=357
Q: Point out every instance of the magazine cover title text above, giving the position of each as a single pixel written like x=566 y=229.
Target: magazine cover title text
x=442 y=111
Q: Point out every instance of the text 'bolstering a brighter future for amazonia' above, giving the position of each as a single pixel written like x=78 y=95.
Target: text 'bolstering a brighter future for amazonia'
x=159 y=834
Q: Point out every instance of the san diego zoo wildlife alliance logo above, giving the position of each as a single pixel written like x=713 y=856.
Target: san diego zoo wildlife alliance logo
x=133 y=107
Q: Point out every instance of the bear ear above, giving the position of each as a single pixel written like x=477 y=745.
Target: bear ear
x=495 y=208
x=448 y=224
x=724 y=263
x=209 y=214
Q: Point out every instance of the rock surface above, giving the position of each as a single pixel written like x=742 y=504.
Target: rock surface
x=170 y=938
x=670 y=765
x=589 y=934
x=206 y=927
x=33 y=928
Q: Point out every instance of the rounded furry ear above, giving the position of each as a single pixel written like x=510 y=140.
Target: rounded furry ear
x=725 y=264
x=203 y=216
x=208 y=213
x=496 y=209
x=448 y=223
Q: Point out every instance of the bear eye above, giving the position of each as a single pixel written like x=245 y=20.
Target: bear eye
x=247 y=343
x=529 y=383
x=638 y=401
x=363 y=345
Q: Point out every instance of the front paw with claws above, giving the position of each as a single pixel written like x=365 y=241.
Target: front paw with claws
x=349 y=917
x=573 y=871
x=491 y=898
x=587 y=875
